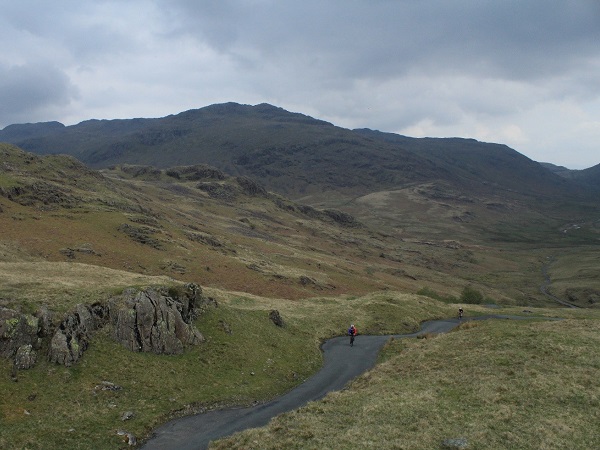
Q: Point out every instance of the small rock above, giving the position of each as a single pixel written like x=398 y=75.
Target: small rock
x=127 y=437
x=25 y=357
x=108 y=386
x=305 y=281
x=225 y=326
x=127 y=415
x=455 y=444
x=276 y=318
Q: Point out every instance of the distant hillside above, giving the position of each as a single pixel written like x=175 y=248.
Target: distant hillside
x=392 y=181
x=559 y=170
x=291 y=153
x=196 y=223
x=589 y=177
x=486 y=165
x=189 y=222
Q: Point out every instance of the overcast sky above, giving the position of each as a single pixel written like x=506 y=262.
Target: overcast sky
x=525 y=73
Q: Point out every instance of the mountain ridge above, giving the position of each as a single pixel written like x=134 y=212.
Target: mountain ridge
x=267 y=142
x=19 y=133
x=370 y=174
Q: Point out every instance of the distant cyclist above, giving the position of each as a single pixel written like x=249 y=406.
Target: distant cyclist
x=352 y=332
x=460 y=313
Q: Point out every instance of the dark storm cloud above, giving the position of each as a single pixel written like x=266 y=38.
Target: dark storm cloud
x=30 y=88
x=506 y=39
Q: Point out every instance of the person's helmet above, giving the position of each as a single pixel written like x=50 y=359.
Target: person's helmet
x=352 y=326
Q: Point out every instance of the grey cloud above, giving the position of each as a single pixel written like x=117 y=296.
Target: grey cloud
x=511 y=39
x=84 y=31
x=28 y=90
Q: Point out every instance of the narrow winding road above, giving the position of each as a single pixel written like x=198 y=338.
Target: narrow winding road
x=342 y=363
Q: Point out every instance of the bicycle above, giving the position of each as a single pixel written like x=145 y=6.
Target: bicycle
x=352 y=333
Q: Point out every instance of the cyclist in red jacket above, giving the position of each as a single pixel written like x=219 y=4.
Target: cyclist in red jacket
x=352 y=332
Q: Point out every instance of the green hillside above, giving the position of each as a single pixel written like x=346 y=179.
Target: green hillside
x=270 y=210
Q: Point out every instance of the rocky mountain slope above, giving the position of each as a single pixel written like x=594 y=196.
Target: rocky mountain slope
x=193 y=222
x=392 y=182
x=198 y=224
x=288 y=152
x=589 y=177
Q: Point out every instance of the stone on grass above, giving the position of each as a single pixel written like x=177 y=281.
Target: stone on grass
x=276 y=318
x=455 y=444
x=25 y=357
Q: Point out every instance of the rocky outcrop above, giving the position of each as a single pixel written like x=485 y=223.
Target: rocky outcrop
x=40 y=193
x=341 y=218
x=251 y=187
x=583 y=296
x=73 y=335
x=219 y=191
x=45 y=320
x=204 y=238
x=141 y=234
x=195 y=173
x=157 y=320
x=326 y=215
x=18 y=333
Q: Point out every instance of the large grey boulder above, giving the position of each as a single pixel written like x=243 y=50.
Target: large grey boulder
x=157 y=320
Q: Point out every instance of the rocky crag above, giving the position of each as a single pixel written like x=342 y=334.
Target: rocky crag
x=158 y=320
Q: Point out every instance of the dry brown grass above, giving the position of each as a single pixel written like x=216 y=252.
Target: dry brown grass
x=267 y=250
x=576 y=271
x=61 y=285
x=55 y=275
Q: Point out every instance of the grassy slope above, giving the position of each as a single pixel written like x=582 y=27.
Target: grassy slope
x=80 y=415
x=260 y=248
x=253 y=245
x=497 y=385
x=264 y=253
